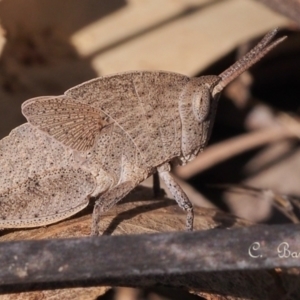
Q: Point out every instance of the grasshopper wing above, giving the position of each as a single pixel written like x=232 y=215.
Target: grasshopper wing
x=74 y=124
x=38 y=183
x=143 y=104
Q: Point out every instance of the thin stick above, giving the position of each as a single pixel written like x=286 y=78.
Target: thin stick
x=231 y=147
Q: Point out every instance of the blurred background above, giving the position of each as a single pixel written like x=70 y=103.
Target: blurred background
x=251 y=167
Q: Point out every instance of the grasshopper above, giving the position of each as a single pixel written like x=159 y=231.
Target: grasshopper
x=104 y=137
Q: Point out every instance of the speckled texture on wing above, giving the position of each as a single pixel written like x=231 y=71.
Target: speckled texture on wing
x=45 y=198
x=144 y=105
x=26 y=152
x=38 y=183
x=74 y=124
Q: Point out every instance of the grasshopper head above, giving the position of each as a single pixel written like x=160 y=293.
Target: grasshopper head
x=198 y=101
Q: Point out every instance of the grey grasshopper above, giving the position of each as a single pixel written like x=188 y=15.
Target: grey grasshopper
x=104 y=137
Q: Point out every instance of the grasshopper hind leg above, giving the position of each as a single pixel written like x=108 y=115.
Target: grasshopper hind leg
x=178 y=194
x=107 y=201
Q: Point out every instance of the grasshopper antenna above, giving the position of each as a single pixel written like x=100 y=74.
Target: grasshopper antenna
x=253 y=56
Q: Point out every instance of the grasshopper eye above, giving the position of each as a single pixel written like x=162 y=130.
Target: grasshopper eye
x=201 y=103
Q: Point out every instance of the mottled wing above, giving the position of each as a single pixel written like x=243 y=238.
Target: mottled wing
x=74 y=124
x=46 y=198
x=144 y=105
x=38 y=183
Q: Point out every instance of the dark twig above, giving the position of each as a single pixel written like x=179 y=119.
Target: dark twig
x=135 y=259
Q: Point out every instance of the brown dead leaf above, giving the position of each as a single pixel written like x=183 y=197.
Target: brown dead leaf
x=138 y=213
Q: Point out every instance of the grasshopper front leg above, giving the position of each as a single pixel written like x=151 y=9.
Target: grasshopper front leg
x=178 y=194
